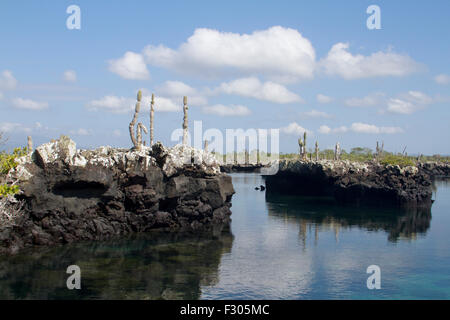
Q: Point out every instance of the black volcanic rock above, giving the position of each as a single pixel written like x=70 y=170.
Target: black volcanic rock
x=73 y=195
x=353 y=182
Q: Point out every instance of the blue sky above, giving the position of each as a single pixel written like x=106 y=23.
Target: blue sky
x=293 y=65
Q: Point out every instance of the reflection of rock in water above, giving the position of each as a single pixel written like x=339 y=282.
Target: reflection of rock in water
x=323 y=214
x=151 y=266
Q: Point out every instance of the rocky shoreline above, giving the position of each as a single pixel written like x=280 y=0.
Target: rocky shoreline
x=73 y=195
x=435 y=169
x=354 y=182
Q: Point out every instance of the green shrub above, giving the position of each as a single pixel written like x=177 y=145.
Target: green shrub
x=397 y=160
x=8 y=160
x=6 y=190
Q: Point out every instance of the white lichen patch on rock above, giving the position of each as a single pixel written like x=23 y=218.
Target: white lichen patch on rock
x=180 y=156
x=171 y=160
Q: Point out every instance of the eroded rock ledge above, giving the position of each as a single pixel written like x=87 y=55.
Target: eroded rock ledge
x=353 y=182
x=75 y=194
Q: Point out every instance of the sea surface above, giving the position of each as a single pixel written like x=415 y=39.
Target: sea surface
x=278 y=247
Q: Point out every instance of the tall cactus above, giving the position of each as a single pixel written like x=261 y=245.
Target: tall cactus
x=337 y=151
x=29 y=144
x=301 y=146
x=304 y=145
x=139 y=129
x=185 y=121
x=317 y=151
x=134 y=120
x=152 y=114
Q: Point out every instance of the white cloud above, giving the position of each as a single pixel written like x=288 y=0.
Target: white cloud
x=252 y=87
x=276 y=52
x=321 y=98
x=316 y=114
x=442 y=79
x=131 y=66
x=295 y=129
x=29 y=104
x=222 y=110
x=70 y=76
x=408 y=103
x=326 y=129
x=370 y=128
x=367 y=101
x=112 y=104
x=81 y=132
x=165 y=104
x=13 y=127
x=7 y=80
x=177 y=89
x=117 y=104
x=341 y=62
x=359 y=127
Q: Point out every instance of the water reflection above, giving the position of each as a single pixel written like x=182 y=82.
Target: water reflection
x=314 y=215
x=152 y=266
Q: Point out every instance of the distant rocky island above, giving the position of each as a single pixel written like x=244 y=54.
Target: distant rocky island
x=71 y=195
x=368 y=183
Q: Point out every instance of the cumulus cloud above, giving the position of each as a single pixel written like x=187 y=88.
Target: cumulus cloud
x=321 y=98
x=70 y=76
x=294 y=128
x=276 y=52
x=29 y=104
x=326 y=129
x=409 y=102
x=252 y=87
x=177 y=89
x=81 y=132
x=442 y=79
x=13 y=127
x=359 y=127
x=112 y=104
x=163 y=104
x=7 y=80
x=341 y=62
x=370 y=100
x=223 y=111
x=115 y=104
x=131 y=66
x=316 y=114
x=370 y=128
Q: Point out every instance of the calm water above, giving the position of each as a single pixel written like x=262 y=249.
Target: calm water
x=277 y=248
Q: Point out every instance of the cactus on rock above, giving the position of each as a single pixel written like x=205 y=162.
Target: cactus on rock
x=139 y=129
x=302 y=145
x=185 y=121
x=337 y=151
x=134 y=120
x=29 y=144
x=152 y=113
x=317 y=151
